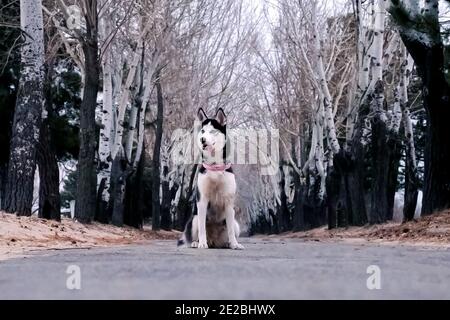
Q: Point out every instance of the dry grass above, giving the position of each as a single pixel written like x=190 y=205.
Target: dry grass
x=429 y=230
x=19 y=235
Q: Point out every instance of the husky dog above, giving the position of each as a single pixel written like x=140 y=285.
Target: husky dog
x=214 y=225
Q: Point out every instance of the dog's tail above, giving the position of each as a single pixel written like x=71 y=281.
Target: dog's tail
x=186 y=237
x=181 y=241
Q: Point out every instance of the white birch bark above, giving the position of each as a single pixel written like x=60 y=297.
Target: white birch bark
x=327 y=100
x=401 y=90
x=363 y=75
x=141 y=135
x=409 y=135
x=378 y=41
x=134 y=121
x=32 y=50
x=407 y=69
x=316 y=157
x=363 y=56
x=125 y=94
x=141 y=123
x=377 y=85
x=107 y=113
x=395 y=114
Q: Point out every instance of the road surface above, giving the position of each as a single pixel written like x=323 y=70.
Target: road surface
x=275 y=269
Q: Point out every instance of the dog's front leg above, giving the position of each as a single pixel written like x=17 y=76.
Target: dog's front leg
x=231 y=230
x=201 y=211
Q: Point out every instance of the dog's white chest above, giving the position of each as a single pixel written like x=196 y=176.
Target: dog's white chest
x=213 y=183
x=218 y=189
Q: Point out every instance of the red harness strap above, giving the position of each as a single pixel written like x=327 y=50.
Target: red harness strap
x=217 y=167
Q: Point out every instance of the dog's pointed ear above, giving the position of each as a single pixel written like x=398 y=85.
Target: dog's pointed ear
x=201 y=115
x=221 y=117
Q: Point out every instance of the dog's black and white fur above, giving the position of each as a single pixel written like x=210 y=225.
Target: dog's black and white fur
x=214 y=225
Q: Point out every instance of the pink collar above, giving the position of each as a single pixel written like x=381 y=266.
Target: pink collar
x=217 y=167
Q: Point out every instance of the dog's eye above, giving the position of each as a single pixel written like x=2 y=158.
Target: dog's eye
x=214 y=131
x=203 y=131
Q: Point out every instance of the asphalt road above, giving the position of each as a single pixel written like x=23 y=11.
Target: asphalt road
x=264 y=270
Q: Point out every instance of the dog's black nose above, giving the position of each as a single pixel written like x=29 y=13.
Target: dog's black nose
x=203 y=140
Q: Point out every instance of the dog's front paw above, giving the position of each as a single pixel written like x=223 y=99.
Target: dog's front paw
x=236 y=246
x=202 y=245
x=194 y=244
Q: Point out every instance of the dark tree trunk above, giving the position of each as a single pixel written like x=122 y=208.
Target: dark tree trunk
x=298 y=216
x=350 y=162
x=347 y=205
x=314 y=208
x=134 y=197
x=119 y=176
x=191 y=184
x=394 y=162
x=385 y=157
x=102 y=208
x=334 y=188
x=133 y=202
x=261 y=225
x=156 y=180
x=85 y=204
x=345 y=191
x=27 y=114
x=342 y=220
x=380 y=174
x=315 y=214
x=24 y=141
x=437 y=159
x=101 y=213
x=355 y=189
x=49 y=197
x=411 y=183
x=436 y=97
x=275 y=229
x=299 y=213
x=3 y=174
x=166 y=218
x=411 y=191
x=168 y=194
x=186 y=203
x=283 y=213
x=345 y=188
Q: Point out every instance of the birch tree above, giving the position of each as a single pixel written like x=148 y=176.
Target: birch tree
x=28 y=112
x=317 y=78
x=379 y=129
x=107 y=116
x=411 y=176
x=208 y=69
